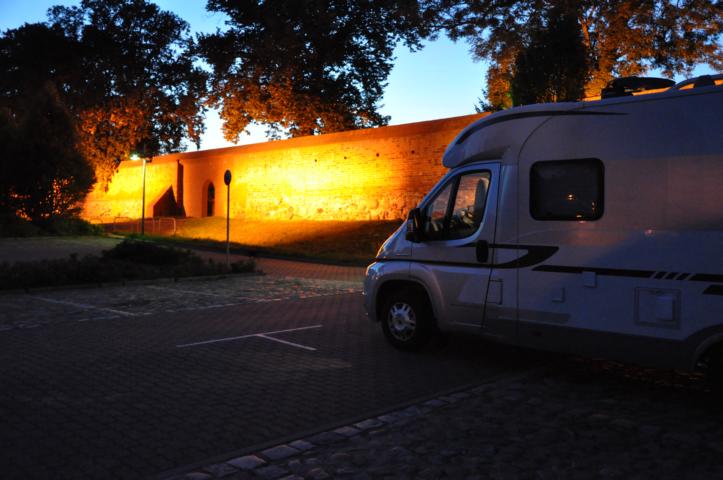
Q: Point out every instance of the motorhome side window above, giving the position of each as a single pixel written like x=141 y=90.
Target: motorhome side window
x=567 y=190
x=458 y=209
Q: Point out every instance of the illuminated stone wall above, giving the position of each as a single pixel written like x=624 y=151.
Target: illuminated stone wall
x=123 y=198
x=366 y=174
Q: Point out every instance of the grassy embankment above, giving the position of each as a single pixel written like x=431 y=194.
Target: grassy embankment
x=353 y=243
x=129 y=260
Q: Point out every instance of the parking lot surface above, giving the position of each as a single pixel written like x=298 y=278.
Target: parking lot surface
x=127 y=382
x=281 y=376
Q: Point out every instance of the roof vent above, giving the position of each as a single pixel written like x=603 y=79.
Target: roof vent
x=704 y=81
x=626 y=86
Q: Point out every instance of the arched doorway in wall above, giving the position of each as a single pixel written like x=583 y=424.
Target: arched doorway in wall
x=208 y=200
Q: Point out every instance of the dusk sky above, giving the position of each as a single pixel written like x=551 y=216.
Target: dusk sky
x=441 y=80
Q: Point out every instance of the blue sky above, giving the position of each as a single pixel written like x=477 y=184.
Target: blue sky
x=441 y=80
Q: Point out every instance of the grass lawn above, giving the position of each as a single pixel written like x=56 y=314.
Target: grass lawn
x=342 y=242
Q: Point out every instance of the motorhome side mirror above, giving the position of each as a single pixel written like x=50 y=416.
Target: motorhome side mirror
x=415 y=230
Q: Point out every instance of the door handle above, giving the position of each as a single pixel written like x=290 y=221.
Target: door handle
x=482 y=249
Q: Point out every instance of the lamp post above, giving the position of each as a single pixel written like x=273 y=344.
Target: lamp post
x=135 y=157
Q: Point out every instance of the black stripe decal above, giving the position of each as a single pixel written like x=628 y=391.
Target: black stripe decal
x=515 y=116
x=706 y=277
x=613 y=272
x=535 y=254
x=683 y=276
x=671 y=275
x=659 y=275
x=713 y=290
x=433 y=262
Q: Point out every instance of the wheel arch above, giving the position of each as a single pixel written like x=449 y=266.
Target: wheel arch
x=394 y=285
x=712 y=343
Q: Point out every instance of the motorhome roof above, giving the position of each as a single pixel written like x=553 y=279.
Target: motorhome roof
x=495 y=145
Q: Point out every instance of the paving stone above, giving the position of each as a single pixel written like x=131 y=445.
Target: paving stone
x=301 y=445
x=340 y=458
x=369 y=423
x=278 y=452
x=271 y=472
x=317 y=474
x=347 y=431
x=248 y=462
x=389 y=418
x=197 y=476
x=241 y=475
x=220 y=469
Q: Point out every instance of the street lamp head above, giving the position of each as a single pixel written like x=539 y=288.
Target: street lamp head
x=135 y=157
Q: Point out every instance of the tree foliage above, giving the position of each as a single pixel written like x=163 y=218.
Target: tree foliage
x=42 y=172
x=552 y=67
x=123 y=69
x=621 y=37
x=139 y=84
x=308 y=67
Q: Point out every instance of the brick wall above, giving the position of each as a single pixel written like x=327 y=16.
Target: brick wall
x=366 y=174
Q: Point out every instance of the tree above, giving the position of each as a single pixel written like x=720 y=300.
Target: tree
x=124 y=70
x=308 y=67
x=139 y=83
x=552 y=67
x=43 y=174
x=621 y=37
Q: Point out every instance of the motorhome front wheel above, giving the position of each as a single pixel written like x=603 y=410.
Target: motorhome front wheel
x=407 y=320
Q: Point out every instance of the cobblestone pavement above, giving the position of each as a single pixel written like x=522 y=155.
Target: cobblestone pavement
x=576 y=419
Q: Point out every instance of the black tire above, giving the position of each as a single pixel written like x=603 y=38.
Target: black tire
x=714 y=369
x=407 y=320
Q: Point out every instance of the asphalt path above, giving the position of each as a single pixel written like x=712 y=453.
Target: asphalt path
x=133 y=396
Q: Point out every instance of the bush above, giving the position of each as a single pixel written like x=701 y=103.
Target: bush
x=66 y=226
x=150 y=253
x=11 y=226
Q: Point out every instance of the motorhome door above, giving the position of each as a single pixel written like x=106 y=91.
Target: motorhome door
x=459 y=228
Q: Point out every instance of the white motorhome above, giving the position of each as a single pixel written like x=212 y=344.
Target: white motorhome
x=593 y=228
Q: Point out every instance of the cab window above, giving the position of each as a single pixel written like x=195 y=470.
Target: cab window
x=457 y=211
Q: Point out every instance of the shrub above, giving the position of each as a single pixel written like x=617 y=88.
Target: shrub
x=12 y=226
x=150 y=253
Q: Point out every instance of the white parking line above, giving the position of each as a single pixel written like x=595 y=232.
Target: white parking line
x=85 y=306
x=260 y=335
x=155 y=287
